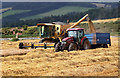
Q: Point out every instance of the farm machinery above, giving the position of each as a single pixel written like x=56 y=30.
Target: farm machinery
x=77 y=40
x=62 y=36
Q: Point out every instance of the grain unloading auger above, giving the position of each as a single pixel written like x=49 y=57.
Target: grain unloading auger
x=52 y=33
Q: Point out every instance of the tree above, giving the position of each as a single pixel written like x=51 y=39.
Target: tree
x=25 y=27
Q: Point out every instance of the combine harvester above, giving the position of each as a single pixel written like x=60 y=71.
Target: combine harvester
x=63 y=36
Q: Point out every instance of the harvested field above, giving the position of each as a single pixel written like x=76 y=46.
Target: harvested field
x=101 y=21
x=45 y=62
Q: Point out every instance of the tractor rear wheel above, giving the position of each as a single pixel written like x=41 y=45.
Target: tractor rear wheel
x=72 y=47
x=86 y=45
x=57 y=47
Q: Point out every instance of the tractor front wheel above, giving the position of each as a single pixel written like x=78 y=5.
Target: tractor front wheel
x=72 y=47
x=57 y=47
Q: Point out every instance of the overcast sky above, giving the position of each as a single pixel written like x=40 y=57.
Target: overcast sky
x=60 y=0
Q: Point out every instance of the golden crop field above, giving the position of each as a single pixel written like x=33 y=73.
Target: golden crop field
x=5 y=9
x=101 y=21
x=47 y=62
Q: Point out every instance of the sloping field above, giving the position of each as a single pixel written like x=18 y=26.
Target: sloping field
x=13 y=12
x=46 y=62
x=101 y=20
x=61 y=11
x=5 y=9
x=105 y=20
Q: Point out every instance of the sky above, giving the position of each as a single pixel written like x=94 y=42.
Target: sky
x=60 y=0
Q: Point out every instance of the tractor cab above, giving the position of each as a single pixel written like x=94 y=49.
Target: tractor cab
x=76 y=33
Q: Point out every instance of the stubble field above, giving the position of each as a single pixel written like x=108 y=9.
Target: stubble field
x=47 y=62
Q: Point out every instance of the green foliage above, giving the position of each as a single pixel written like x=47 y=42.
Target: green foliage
x=19 y=27
x=19 y=31
x=117 y=22
x=29 y=35
x=115 y=33
x=6 y=31
x=14 y=39
x=16 y=31
x=25 y=27
x=8 y=36
x=31 y=31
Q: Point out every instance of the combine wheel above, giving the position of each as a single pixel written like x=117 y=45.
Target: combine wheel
x=72 y=47
x=20 y=45
x=86 y=45
x=32 y=46
x=57 y=47
x=41 y=41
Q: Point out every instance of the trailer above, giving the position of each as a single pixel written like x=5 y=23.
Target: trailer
x=99 y=39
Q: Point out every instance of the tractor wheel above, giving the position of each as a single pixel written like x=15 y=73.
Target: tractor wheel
x=20 y=45
x=105 y=46
x=57 y=47
x=72 y=47
x=86 y=45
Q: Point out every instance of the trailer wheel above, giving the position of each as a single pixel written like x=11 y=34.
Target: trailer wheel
x=72 y=47
x=32 y=46
x=57 y=47
x=86 y=45
x=105 y=46
x=20 y=45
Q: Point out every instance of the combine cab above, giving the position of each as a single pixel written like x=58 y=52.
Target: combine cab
x=50 y=34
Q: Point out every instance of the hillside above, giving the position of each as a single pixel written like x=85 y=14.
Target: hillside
x=13 y=12
x=60 y=11
x=94 y=14
x=4 y=10
x=41 y=7
x=32 y=10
